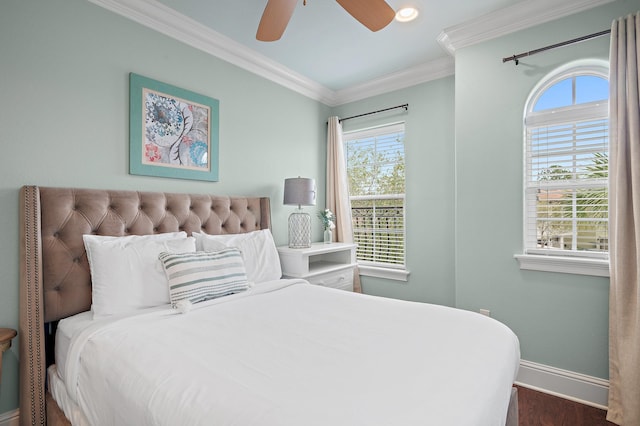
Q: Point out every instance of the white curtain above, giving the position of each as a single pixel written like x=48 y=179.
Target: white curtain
x=624 y=224
x=337 y=197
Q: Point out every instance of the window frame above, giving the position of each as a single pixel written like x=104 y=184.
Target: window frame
x=563 y=261
x=391 y=271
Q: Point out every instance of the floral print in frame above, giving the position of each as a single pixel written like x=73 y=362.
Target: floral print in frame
x=174 y=132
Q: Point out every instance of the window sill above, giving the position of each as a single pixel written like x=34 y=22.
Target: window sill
x=564 y=264
x=387 y=273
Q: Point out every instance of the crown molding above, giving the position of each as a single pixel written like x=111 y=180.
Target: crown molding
x=521 y=15
x=422 y=73
x=167 y=21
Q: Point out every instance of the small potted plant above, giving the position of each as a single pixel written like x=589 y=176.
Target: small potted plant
x=328 y=222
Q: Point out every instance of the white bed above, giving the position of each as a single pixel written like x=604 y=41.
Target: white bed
x=273 y=352
x=290 y=353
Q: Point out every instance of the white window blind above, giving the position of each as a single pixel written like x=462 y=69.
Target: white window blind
x=375 y=166
x=566 y=182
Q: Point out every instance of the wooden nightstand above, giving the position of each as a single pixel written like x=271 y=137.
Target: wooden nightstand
x=330 y=265
x=6 y=335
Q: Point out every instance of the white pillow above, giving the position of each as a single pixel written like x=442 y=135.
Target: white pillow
x=126 y=274
x=258 y=250
x=203 y=275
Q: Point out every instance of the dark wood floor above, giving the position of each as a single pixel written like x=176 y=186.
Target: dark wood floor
x=541 y=409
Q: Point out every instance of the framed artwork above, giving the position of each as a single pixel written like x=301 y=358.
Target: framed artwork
x=172 y=132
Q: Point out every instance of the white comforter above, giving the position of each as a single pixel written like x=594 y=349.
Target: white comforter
x=290 y=353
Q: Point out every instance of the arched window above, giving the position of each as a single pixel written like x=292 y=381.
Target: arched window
x=566 y=163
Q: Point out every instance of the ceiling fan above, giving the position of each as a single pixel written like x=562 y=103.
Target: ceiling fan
x=373 y=14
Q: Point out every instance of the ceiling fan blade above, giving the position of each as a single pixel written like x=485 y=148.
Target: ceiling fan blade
x=274 y=19
x=373 y=14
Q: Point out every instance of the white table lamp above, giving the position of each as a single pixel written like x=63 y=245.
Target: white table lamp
x=299 y=192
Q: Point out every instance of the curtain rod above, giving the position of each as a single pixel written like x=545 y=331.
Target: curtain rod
x=516 y=58
x=405 y=106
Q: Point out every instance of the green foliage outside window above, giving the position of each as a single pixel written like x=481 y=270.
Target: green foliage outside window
x=557 y=209
x=376 y=171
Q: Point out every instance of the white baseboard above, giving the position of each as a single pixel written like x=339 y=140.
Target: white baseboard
x=566 y=384
x=10 y=418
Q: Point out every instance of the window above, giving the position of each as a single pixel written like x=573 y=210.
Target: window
x=375 y=166
x=566 y=165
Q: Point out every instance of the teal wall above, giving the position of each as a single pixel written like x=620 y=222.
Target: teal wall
x=464 y=186
x=561 y=319
x=64 y=121
x=429 y=155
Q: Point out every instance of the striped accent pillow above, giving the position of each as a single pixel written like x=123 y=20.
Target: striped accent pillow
x=202 y=275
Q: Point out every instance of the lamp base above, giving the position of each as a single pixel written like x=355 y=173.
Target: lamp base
x=299 y=230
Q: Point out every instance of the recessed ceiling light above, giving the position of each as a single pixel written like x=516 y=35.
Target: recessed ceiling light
x=406 y=14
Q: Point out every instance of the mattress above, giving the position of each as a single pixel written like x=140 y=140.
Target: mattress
x=64 y=333
x=291 y=353
x=58 y=391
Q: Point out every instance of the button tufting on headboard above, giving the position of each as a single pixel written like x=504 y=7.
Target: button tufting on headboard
x=67 y=214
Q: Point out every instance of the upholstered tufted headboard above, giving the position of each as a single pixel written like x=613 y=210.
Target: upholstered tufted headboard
x=55 y=280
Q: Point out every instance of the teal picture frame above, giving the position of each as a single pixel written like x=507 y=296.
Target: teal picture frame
x=173 y=132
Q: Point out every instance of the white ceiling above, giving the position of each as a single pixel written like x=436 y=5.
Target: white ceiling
x=326 y=44
x=326 y=54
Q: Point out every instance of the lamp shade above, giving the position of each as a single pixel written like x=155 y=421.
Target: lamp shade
x=300 y=191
